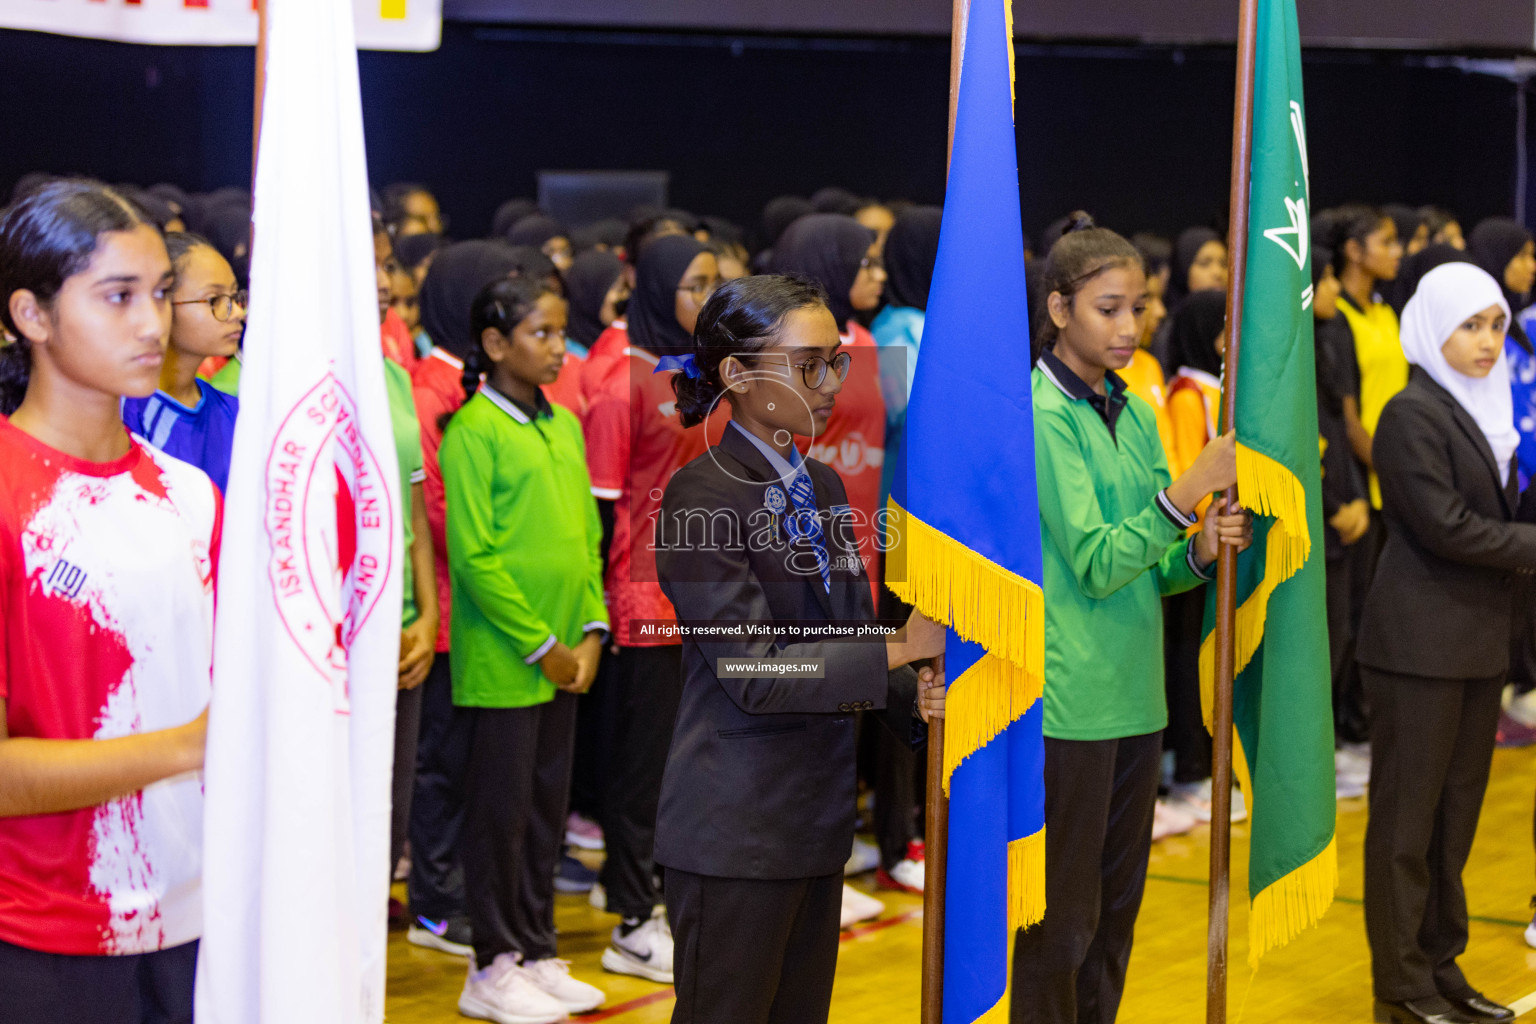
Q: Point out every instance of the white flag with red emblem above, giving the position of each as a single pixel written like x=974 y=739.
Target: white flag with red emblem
x=300 y=738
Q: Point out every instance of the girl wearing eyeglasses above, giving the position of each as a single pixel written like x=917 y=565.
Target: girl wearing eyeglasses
x=757 y=804
x=188 y=417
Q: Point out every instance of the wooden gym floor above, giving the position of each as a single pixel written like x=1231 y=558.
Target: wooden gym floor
x=1322 y=977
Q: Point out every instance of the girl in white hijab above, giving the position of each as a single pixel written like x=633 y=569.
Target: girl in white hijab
x=1438 y=337
x=1434 y=641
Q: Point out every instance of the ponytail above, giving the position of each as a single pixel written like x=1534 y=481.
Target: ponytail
x=15 y=371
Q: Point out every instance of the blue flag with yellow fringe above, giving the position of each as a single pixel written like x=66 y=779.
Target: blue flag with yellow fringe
x=966 y=536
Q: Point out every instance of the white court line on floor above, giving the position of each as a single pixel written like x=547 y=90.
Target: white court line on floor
x=1524 y=1005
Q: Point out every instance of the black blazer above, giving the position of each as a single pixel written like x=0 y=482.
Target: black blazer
x=760 y=779
x=1440 y=604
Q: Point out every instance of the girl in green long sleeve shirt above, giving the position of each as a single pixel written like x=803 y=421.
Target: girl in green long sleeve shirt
x=1113 y=530
x=528 y=626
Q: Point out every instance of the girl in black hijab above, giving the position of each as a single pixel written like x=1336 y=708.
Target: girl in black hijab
x=910 y=252
x=547 y=235
x=590 y=284
x=833 y=250
x=671 y=284
x=1505 y=249
x=458 y=274
x=1199 y=263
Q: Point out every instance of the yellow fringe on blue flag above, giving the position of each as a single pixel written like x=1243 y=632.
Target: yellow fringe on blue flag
x=988 y=605
x=1026 y=881
x=1297 y=900
x=1026 y=906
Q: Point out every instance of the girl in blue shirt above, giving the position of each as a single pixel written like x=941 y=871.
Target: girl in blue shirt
x=187 y=417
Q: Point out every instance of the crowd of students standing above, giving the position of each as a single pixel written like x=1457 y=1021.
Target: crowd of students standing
x=559 y=395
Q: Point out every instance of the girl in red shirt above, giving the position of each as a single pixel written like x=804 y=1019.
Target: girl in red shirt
x=108 y=551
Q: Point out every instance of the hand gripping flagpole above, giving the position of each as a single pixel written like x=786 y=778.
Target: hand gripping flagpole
x=936 y=832
x=1226 y=559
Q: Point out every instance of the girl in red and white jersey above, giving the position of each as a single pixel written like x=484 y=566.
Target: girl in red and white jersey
x=108 y=552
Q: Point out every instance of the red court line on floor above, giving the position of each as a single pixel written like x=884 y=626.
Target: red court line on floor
x=879 y=926
x=667 y=993
x=633 y=1004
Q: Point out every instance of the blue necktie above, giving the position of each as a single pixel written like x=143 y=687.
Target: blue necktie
x=807 y=524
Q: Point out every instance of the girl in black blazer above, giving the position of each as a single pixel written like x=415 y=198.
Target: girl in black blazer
x=756 y=814
x=1434 y=639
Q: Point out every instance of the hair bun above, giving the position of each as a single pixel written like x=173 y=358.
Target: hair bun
x=1078 y=220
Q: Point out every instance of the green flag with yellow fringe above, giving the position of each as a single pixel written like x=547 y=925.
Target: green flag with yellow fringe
x=1282 y=706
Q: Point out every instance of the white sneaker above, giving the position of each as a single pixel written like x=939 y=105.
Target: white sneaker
x=1192 y=799
x=905 y=876
x=859 y=907
x=1169 y=819
x=506 y=994
x=553 y=977
x=597 y=897
x=1530 y=934
x=865 y=857
x=645 y=952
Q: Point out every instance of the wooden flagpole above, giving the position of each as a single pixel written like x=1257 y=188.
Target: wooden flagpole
x=936 y=832
x=261 y=83
x=1226 y=563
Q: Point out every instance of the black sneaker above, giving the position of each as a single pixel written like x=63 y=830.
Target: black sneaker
x=450 y=935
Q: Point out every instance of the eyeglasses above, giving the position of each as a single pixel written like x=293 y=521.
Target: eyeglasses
x=871 y=263
x=814 y=369
x=221 y=306
x=702 y=290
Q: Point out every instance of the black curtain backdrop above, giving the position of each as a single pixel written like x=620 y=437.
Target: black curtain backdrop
x=1138 y=135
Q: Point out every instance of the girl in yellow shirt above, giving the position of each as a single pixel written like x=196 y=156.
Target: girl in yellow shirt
x=1367 y=251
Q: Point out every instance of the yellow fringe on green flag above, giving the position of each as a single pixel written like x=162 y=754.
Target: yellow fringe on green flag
x=1267 y=488
x=1297 y=901
x=985 y=604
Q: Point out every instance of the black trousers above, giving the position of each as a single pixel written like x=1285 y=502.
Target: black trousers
x=403 y=781
x=899 y=774
x=517 y=788
x=642 y=692
x=1099 y=795
x=1183 y=622
x=1352 y=710
x=750 y=951
x=1341 y=641
x=436 y=885
x=593 y=728
x=1431 y=750
x=50 y=988
x=896 y=814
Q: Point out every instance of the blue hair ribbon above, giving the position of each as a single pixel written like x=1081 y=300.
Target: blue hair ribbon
x=682 y=364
